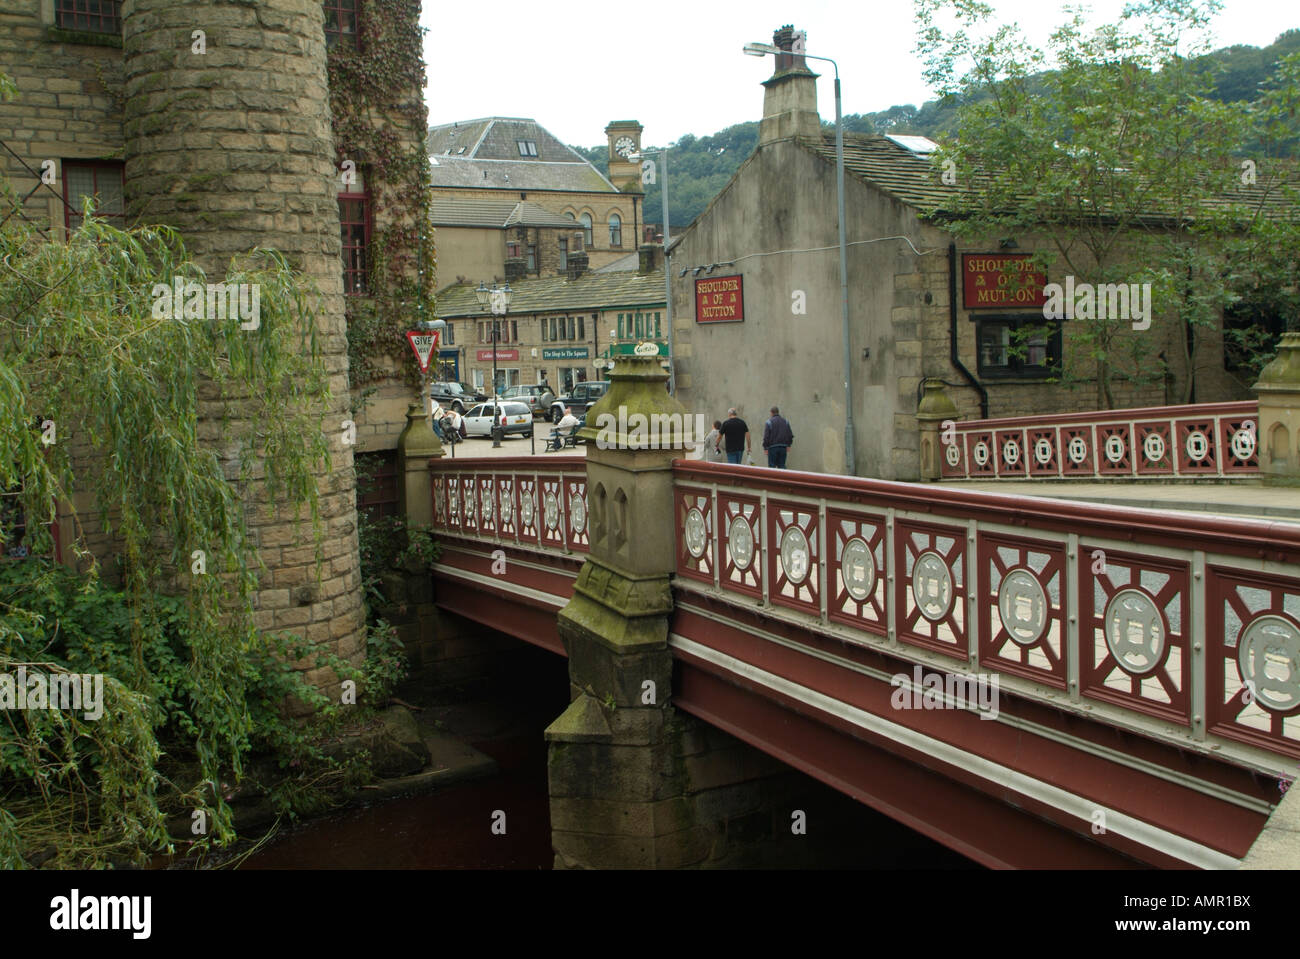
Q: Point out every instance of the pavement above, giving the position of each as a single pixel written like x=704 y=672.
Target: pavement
x=1242 y=499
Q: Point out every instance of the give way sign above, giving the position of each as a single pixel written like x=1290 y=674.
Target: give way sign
x=424 y=344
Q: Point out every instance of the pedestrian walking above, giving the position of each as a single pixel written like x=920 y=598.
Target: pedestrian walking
x=778 y=437
x=712 y=452
x=735 y=437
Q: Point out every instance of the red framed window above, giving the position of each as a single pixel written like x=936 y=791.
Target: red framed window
x=90 y=16
x=103 y=179
x=354 y=221
x=341 y=17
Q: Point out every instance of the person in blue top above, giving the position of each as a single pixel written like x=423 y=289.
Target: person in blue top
x=777 y=439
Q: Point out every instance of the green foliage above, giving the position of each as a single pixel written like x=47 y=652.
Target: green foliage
x=382 y=77
x=96 y=784
x=1118 y=155
x=184 y=667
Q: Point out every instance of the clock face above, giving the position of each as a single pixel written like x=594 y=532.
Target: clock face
x=624 y=145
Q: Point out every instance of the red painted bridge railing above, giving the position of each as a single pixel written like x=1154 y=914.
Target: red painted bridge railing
x=1179 y=626
x=524 y=501
x=1212 y=439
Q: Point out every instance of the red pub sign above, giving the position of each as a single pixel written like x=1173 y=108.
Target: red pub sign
x=720 y=299
x=1001 y=280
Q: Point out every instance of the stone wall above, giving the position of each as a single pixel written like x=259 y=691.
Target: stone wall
x=782 y=205
x=234 y=148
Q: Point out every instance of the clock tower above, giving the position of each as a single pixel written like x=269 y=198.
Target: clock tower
x=624 y=139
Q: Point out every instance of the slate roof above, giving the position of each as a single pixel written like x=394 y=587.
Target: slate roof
x=624 y=263
x=912 y=179
x=557 y=294
x=497 y=214
x=484 y=153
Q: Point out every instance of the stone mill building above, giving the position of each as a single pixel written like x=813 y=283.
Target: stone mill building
x=215 y=118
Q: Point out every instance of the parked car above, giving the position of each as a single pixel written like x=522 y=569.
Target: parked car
x=456 y=396
x=539 y=398
x=581 y=399
x=512 y=417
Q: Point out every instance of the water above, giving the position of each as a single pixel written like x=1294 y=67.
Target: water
x=452 y=827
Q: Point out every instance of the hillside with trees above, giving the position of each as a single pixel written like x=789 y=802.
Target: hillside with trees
x=699 y=167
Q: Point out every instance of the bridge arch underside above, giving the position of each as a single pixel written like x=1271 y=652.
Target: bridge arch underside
x=1034 y=788
x=517 y=592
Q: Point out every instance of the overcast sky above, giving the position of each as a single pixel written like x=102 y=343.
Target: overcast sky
x=574 y=65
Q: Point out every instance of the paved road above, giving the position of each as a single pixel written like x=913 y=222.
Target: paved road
x=1219 y=499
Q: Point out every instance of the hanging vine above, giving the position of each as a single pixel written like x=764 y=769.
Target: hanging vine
x=380 y=123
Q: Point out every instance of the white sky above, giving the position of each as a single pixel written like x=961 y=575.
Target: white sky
x=575 y=65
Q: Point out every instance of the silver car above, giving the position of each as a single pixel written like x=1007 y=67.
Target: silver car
x=510 y=416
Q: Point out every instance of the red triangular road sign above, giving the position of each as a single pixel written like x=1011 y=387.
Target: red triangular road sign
x=424 y=344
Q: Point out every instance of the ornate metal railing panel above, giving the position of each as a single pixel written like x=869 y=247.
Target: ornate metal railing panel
x=524 y=502
x=1189 y=625
x=1212 y=439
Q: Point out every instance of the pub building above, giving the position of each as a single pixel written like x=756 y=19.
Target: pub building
x=757 y=307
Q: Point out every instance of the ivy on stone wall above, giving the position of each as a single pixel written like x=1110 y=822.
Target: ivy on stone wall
x=380 y=119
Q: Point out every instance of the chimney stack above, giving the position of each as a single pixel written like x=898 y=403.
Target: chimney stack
x=649 y=257
x=577 y=265
x=790 y=103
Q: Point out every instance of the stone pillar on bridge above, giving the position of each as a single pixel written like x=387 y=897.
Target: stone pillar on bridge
x=1279 y=414
x=416 y=445
x=617 y=783
x=935 y=407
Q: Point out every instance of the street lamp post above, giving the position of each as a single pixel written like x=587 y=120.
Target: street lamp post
x=762 y=50
x=668 y=283
x=498 y=300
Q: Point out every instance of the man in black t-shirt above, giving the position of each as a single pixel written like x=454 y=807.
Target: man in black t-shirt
x=735 y=436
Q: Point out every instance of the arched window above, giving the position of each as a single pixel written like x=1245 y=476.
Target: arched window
x=615 y=230
x=585 y=220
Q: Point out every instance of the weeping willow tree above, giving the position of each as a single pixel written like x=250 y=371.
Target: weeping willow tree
x=100 y=396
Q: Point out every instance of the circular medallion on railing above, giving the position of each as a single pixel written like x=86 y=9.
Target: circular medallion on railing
x=578 y=514
x=794 y=554
x=1043 y=450
x=507 y=507
x=694 y=532
x=1197 y=446
x=981 y=454
x=1244 y=441
x=952 y=454
x=550 y=510
x=487 y=504
x=1022 y=604
x=1077 y=450
x=1153 y=447
x=527 y=508
x=1011 y=452
x=1135 y=631
x=932 y=586
x=858 y=569
x=740 y=542
x=1268 y=656
x=1114 y=448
